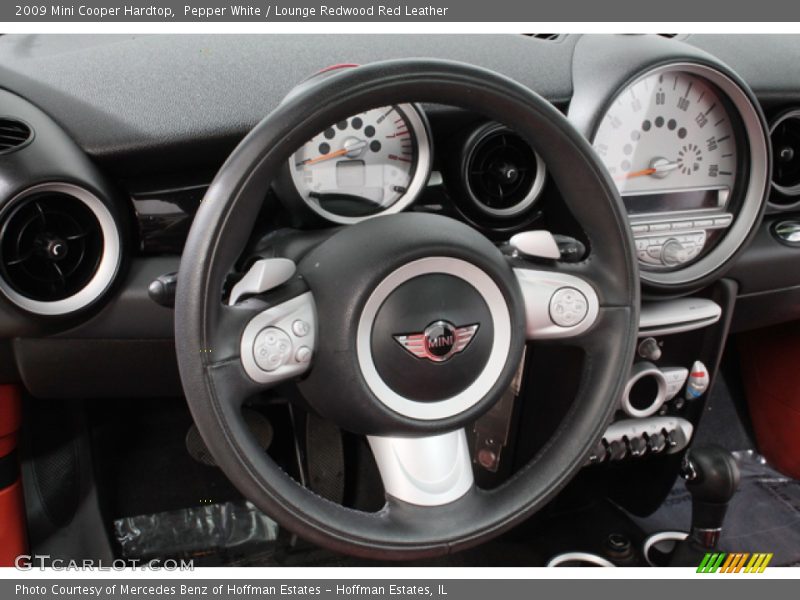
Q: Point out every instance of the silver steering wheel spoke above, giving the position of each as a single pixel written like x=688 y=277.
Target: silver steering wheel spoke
x=424 y=471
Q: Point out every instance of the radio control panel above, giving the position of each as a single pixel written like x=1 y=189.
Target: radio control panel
x=675 y=240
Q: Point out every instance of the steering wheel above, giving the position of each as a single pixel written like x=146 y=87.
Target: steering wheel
x=404 y=328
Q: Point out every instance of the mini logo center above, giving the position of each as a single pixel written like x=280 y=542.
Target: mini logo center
x=440 y=337
x=439 y=341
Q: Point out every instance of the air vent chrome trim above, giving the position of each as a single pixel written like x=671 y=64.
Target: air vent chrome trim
x=790 y=192
x=527 y=201
x=106 y=269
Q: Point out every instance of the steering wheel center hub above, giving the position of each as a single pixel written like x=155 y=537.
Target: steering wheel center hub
x=428 y=324
x=436 y=337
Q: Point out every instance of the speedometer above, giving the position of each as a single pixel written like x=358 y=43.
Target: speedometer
x=375 y=162
x=686 y=148
x=670 y=144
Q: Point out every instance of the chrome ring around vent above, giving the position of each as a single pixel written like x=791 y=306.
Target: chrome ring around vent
x=659 y=538
x=588 y=559
x=790 y=191
x=106 y=269
x=640 y=371
x=536 y=186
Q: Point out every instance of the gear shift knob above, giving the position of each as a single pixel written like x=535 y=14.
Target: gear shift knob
x=712 y=476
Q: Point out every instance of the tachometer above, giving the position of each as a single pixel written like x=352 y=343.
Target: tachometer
x=372 y=163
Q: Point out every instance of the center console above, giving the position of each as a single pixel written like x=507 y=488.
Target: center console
x=668 y=376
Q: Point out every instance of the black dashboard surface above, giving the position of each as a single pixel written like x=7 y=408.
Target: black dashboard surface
x=117 y=95
x=154 y=96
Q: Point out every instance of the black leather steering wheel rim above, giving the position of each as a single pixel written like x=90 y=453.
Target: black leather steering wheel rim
x=215 y=241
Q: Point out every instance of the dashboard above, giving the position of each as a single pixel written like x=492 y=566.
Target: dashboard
x=99 y=183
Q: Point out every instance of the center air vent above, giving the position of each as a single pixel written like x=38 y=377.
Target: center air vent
x=785 y=138
x=13 y=134
x=503 y=174
x=59 y=249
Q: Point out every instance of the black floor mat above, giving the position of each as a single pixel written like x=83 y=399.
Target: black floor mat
x=141 y=455
x=764 y=515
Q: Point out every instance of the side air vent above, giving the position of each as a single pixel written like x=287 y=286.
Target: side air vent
x=59 y=249
x=13 y=135
x=503 y=175
x=785 y=137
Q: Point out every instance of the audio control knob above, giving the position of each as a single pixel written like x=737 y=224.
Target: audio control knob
x=674 y=253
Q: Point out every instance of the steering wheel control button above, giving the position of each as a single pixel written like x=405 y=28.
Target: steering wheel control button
x=301 y=328
x=568 y=307
x=303 y=354
x=272 y=348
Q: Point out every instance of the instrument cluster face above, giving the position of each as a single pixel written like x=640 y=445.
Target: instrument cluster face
x=670 y=144
x=372 y=163
x=675 y=142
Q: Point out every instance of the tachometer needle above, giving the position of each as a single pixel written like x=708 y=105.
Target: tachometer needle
x=351 y=146
x=659 y=167
x=327 y=156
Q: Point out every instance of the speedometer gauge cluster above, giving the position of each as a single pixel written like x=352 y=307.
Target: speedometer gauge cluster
x=685 y=147
x=670 y=132
x=372 y=163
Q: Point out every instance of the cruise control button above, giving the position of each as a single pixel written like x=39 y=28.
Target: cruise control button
x=568 y=307
x=271 y=348
x=303 y=354
x=300 y=328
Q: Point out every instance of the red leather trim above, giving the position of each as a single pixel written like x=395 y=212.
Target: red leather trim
x=13 y=534
x=10 y=411
x=10 y=417
x=770 y=359
x=13 y=537
x=338 y=66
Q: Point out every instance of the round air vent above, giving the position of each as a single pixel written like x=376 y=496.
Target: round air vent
x=503 y=174
x=59 y=249
x=785 y=138
x=13 y=134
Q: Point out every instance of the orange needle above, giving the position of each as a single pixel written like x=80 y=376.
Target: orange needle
x=328 y=156
x=635 y=174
